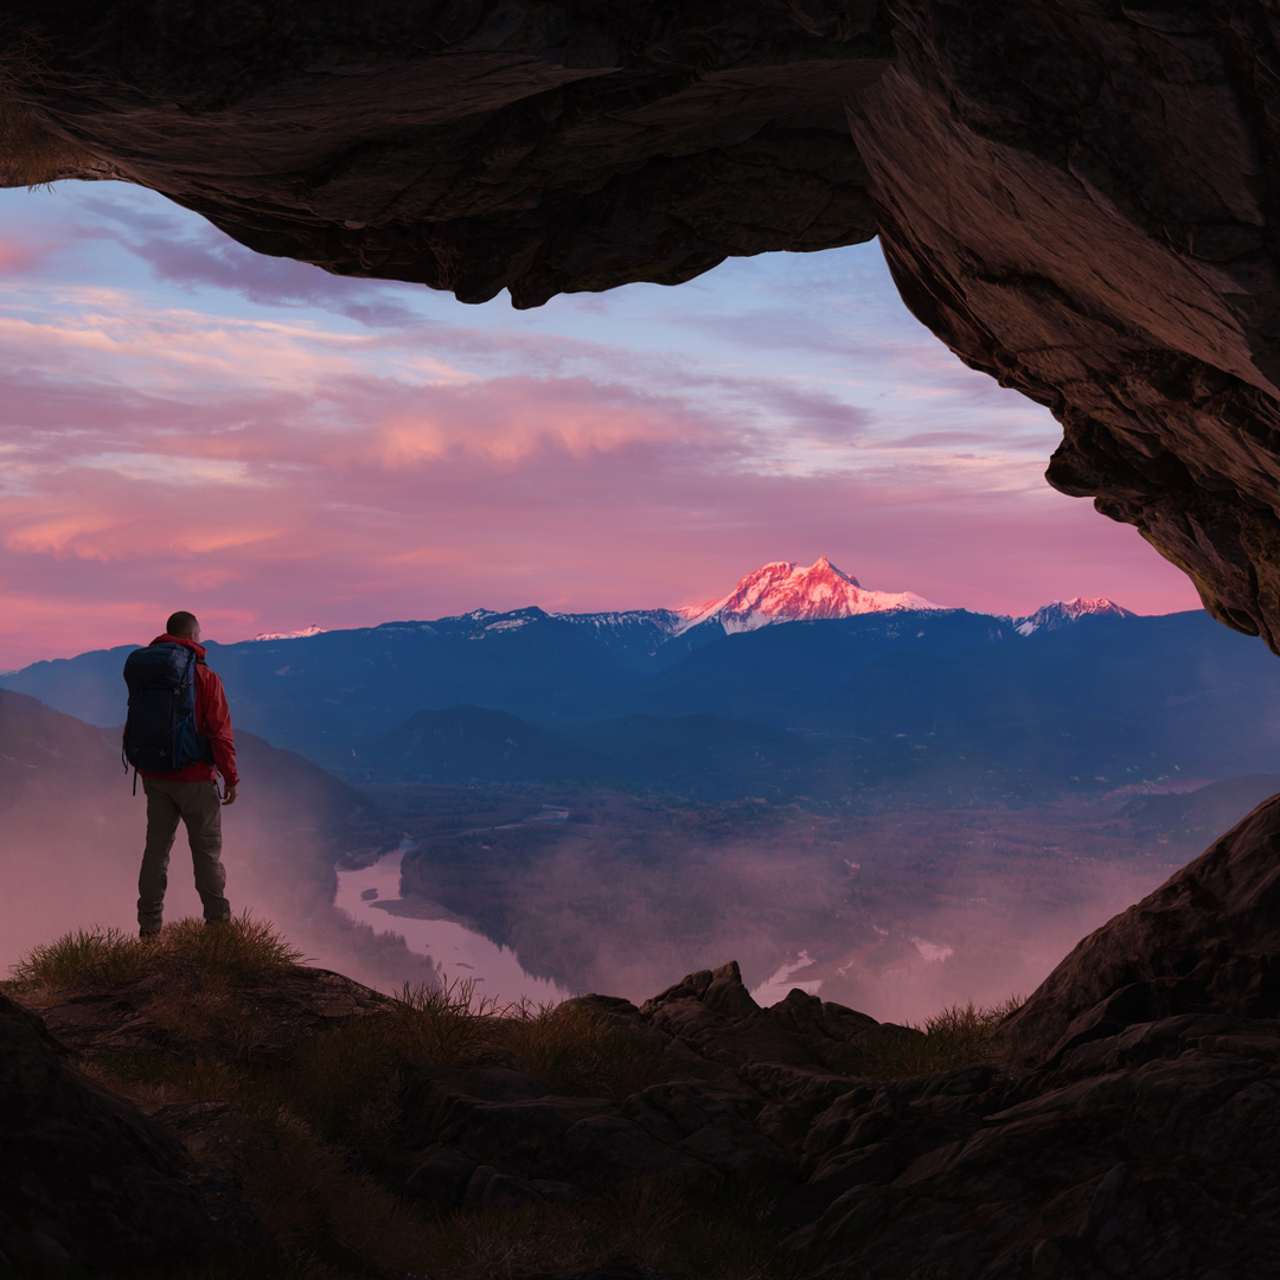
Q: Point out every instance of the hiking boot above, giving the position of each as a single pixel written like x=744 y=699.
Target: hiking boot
x=148 y=933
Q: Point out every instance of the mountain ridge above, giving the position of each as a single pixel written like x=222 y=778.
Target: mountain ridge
x=943 y=703
x=778 y=592
x=1062 y=613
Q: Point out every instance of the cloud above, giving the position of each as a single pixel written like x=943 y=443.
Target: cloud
x=207 y=258
x=246 y=444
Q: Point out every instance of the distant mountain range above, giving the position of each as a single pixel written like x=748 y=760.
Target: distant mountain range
x=799 y=682
x=779 y=592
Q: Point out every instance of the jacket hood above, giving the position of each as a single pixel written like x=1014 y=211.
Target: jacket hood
x=190 y=644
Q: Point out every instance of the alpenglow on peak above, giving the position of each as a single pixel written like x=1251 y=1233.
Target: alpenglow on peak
x=787 y=592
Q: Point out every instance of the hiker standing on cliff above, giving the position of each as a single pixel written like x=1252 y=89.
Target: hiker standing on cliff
x=178 y=738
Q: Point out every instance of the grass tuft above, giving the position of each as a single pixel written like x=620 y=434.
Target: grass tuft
x=82 y=958
x=959 y=1036
x=346 y=1079
x=581 y=1053
x=239 y=950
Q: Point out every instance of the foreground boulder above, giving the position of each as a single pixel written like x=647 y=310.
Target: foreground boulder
x=86 y=1181
x=1153 y=1155
x=487 y=1137
x=1142 y=1140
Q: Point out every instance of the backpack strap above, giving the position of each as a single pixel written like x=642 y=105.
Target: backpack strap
x=194 y=660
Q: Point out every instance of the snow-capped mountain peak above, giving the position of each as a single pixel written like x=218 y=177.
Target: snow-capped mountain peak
x=1062 y=613
x=787 y=592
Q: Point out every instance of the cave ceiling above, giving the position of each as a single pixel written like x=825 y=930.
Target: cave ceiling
x=1077 y=196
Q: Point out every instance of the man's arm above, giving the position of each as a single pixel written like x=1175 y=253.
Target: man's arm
x=217 y=728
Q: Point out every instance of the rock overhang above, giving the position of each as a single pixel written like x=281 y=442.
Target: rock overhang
x=538 y=148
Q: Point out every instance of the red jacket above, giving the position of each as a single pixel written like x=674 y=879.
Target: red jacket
x=213 y=721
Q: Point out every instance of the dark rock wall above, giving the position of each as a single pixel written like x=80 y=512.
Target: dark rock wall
x=1075 y=195
x=1077 y=198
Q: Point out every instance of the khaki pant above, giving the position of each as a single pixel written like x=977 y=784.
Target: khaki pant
x=198 y=806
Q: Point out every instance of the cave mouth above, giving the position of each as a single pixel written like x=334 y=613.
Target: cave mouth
x=1076 y=200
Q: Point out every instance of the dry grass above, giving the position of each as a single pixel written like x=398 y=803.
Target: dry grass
x=208 y=1014
x=960 y=1036
x=82 y=958
x=581 y=1053
x=308 y=1193
x=241 y=950
x=345 y=1080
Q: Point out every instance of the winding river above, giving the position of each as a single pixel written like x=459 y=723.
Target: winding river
x=460 y=952
x=426 y=928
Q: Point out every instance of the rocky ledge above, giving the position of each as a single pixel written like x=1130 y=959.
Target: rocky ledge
x=1125 y=1123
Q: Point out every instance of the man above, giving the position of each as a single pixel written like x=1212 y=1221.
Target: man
x=189 y=792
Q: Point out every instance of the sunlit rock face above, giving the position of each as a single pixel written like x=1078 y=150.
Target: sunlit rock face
x=1075 y=195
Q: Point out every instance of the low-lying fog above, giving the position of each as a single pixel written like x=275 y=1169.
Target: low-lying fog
x=898 y=915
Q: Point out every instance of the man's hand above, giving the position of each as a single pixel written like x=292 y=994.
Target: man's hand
x=230 y=796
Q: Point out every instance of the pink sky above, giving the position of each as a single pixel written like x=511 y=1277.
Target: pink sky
x=187 y=426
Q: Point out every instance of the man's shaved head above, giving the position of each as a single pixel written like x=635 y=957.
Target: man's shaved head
x=181 y=624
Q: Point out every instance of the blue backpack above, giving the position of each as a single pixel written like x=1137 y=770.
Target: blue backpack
x=160 y=732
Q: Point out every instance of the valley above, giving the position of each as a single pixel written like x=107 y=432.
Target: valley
x=896 y=913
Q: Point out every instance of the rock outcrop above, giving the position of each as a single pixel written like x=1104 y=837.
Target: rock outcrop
x=1148 y=1149
x=86 y=1181
x=1078 y=196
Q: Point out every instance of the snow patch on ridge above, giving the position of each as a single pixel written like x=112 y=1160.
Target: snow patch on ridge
x=1061 y=613
x=312 y=630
